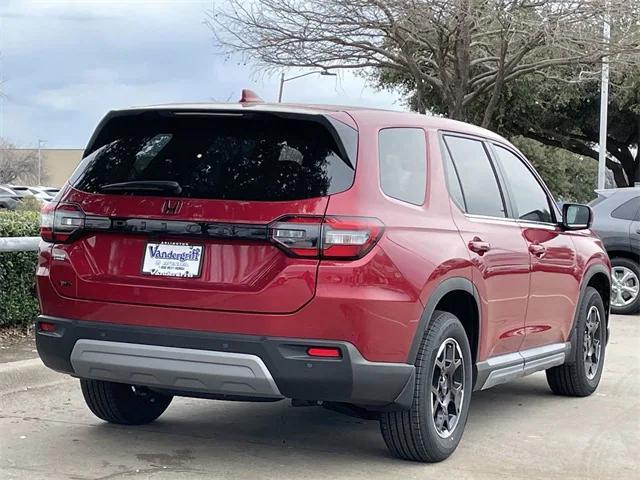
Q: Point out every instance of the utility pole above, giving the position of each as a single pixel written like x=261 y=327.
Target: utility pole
x=604 y=102
x=281 y=87
x=40 y=144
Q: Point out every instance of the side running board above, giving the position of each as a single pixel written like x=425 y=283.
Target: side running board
x=504 y=368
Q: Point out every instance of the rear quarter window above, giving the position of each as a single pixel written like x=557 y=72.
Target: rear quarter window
x=628 y=210
x=402 y=154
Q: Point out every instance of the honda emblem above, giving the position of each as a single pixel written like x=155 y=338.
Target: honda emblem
x=171 y=207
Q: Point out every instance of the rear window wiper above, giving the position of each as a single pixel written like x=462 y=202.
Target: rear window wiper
x=160 y=186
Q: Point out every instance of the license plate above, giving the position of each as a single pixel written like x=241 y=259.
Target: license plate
x=172 y=259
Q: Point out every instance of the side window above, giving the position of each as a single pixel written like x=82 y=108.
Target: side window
x=478 y=179
x=628 y=210
x=403 y=163
x=531 y=201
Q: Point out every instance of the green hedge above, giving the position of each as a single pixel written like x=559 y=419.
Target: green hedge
x=18 y=302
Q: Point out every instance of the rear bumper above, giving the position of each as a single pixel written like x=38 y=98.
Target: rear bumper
x=194 y=363
x=176 y=369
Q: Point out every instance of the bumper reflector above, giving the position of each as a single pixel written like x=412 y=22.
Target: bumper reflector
x=326 y=352
x=47 y=327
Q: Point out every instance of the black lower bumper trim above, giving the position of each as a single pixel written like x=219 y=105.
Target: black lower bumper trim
x=349 y=379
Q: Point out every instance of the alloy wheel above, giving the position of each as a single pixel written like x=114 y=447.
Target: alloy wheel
x=447 y=387
x=592 y=342
x=625 y=286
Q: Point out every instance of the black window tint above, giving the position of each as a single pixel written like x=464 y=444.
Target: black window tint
x=628 y=210
x=477 y=177
x=453 y=182
x=258 y=157
x=531 y=201
x=403 y=163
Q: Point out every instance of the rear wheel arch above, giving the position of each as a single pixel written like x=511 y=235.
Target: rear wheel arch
x=458 y=296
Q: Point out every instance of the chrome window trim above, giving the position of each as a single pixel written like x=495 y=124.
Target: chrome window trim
x=532 y=223
x=473 y=216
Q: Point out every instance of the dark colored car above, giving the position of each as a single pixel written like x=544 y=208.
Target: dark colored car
x=381 y=263
x=8 y=198
x=617 y=222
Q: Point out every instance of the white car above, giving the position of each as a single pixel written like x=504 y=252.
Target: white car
x=8 y=198
x=42 y=194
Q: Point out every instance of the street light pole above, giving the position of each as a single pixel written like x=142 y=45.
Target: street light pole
x=282 y=79
x=40 y=143
x=604 y=103
x=281 y=87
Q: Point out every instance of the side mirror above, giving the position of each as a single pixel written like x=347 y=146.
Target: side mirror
x=576 y=216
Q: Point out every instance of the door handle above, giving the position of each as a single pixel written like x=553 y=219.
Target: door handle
x=479 y=246
x=537 y=250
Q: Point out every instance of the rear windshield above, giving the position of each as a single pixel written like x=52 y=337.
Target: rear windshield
x=260 y=157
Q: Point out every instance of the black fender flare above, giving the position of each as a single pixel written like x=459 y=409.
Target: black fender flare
x=586 y=278
x=446 y=286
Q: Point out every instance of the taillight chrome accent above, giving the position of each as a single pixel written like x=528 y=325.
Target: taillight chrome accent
x=332 y=237
x=67 y=219
x=297 y=235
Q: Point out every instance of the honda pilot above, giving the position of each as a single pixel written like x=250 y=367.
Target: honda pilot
x=385 y=264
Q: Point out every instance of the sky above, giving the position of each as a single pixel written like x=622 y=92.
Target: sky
x=64 y=64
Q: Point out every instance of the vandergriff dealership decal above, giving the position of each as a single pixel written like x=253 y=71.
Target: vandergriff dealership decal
x=172 y=259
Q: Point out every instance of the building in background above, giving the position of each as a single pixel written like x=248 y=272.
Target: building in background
x=57 y=164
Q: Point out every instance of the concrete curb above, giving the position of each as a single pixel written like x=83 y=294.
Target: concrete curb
x=27 y=374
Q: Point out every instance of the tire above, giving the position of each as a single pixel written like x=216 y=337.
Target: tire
x=575 y=378
x=412 y=434
x=633 y=270
x=123 y=404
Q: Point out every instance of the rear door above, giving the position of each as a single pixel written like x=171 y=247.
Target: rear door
x=634 y=232
x=177 y=209
x=626 y=216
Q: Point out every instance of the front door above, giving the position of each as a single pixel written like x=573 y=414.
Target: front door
x=554 y=286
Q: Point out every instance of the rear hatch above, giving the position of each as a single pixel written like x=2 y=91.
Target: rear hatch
x=181 y=209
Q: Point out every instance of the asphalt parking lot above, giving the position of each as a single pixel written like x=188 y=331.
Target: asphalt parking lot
x=514 y=431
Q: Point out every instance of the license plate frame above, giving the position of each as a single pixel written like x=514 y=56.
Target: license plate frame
x=171 y=259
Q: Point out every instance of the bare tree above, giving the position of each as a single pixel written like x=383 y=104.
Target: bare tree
x=457 y=50
x=17 y=165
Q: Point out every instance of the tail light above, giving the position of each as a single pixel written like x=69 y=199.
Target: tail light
x=334 y=237
x=59 y=221
x=46 y=221
x=349 y=237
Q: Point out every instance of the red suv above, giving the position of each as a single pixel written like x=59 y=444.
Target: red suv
x=381 y=263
